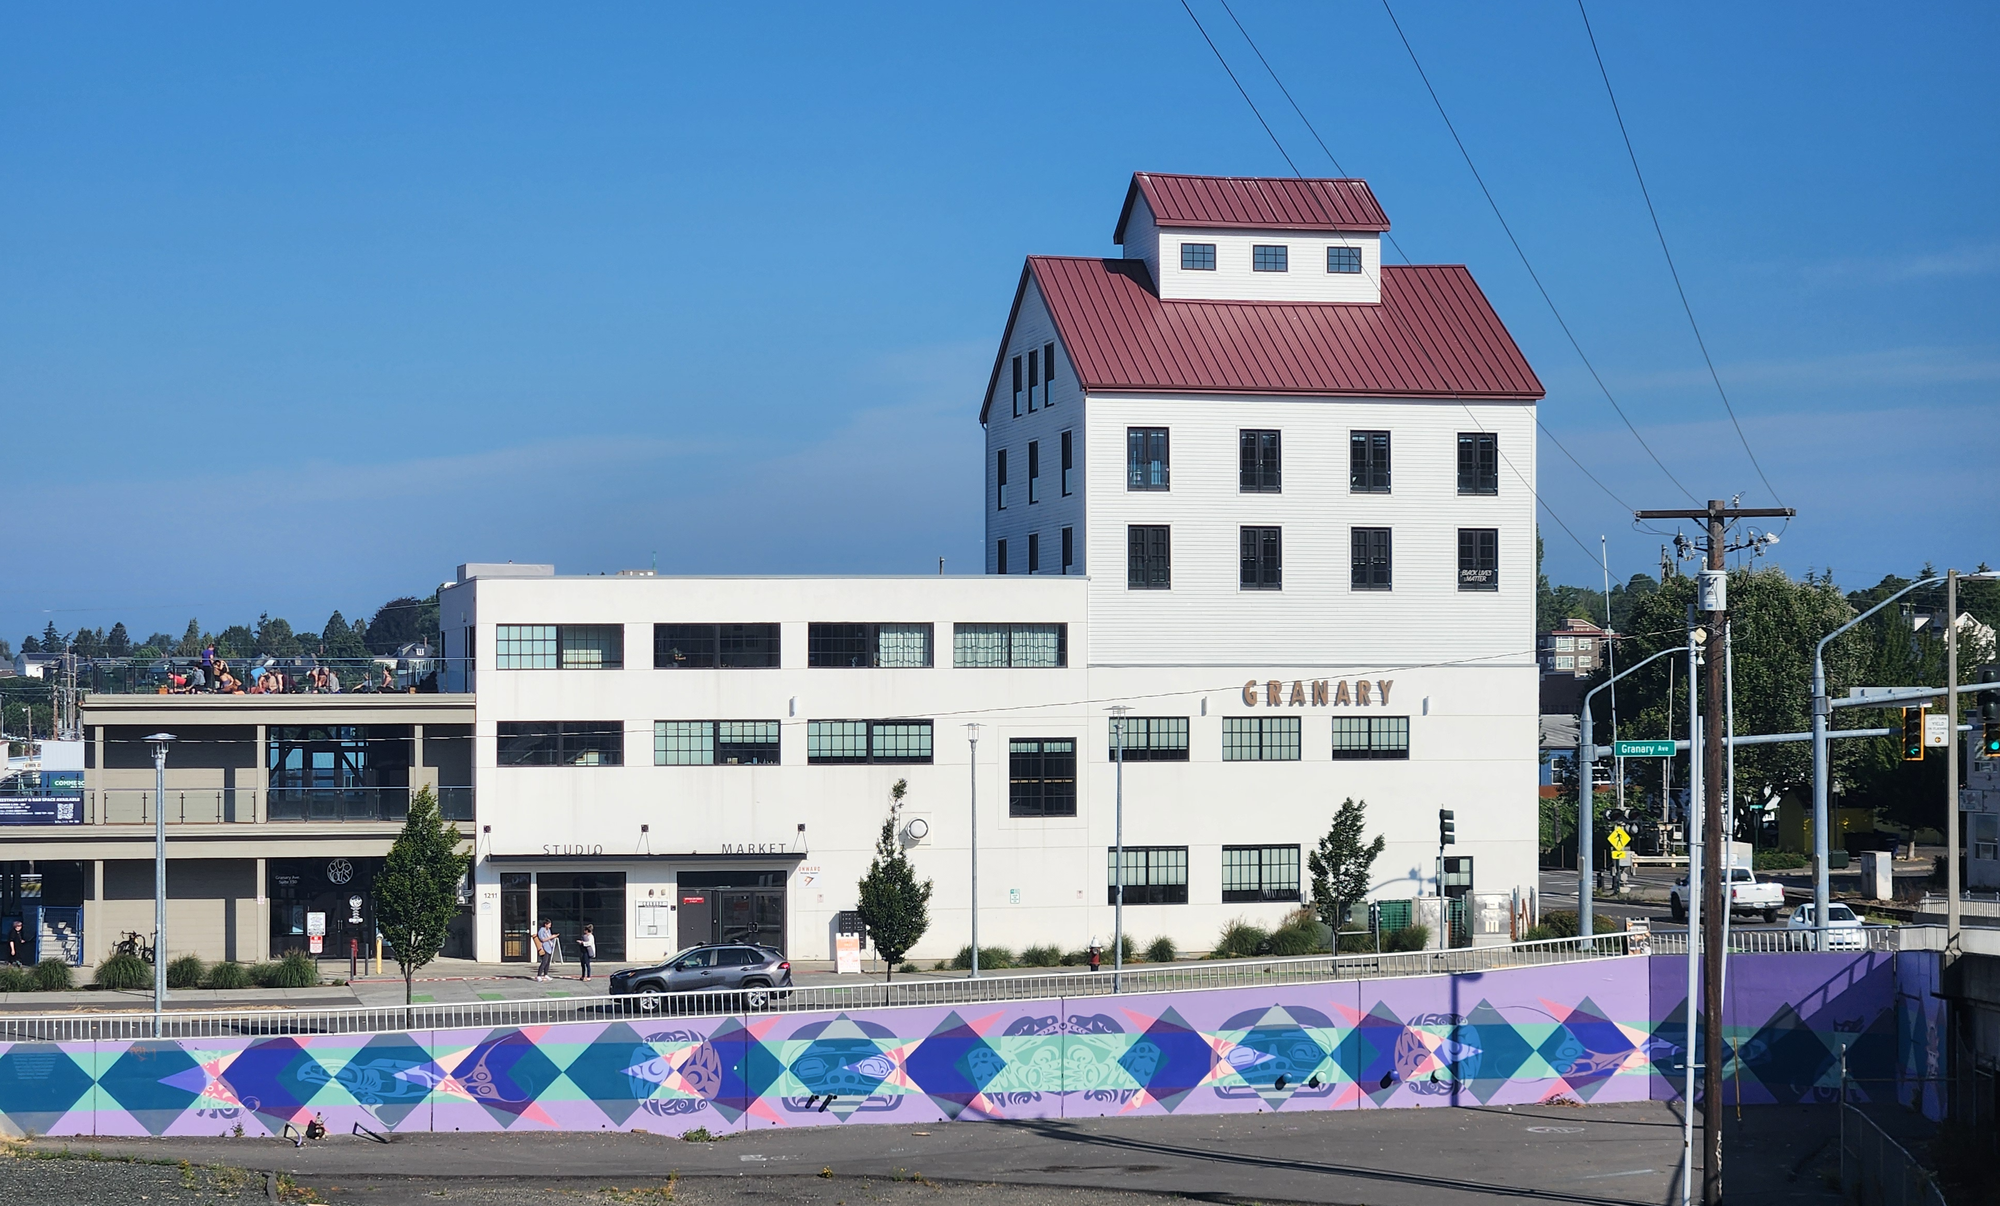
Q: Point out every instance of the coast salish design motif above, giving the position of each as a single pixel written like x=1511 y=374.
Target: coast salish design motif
x=1604 y=1031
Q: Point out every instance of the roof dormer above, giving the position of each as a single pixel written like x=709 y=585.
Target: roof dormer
x=1249 y=238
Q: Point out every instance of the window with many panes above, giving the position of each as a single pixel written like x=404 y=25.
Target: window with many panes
x=715 y=646
x=870 y=646
x=560 y=646
x=559 y=743
x=868 y=741
x=1015 y=646
x=1479 y=559
x=1197 y=257
x=1153 y=875
x=1254 y=873
x=715 y=743
x=1148 y=557
x=1258 y=462
x=1260 y=738
x=1270 y=257
x=1041 y=777
x=1262 y=559
x=1343 y=259
x=1146 y=465
x=1478 y=462
x=1368 y=462
x=1371 y=568
x=1365 y=738
x=1150 y=738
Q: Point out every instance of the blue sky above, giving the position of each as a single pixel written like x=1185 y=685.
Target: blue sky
x=302 y=308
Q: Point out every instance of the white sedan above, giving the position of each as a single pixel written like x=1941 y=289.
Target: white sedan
x=1843 y=928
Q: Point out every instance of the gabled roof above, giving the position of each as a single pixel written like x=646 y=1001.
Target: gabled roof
x=1254 y=202
x=1434 y=335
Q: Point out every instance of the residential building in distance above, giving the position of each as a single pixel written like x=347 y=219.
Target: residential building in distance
x=1576 y=647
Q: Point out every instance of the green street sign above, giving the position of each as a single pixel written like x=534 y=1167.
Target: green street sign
x=1642 y=749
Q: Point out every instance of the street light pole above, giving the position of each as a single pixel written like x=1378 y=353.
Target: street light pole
x=972 y=737
x=1118 y=838
x=1586 y=796
x=1951 y=883
x=160 y=743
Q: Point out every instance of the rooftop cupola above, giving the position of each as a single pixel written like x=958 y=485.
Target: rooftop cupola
x=1255 y=238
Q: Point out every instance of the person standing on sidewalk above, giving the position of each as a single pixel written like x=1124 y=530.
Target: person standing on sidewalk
x=586 y=947
x=545 y=949
x=17 y=945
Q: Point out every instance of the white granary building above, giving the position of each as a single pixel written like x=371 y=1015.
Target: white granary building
x=1269 y=495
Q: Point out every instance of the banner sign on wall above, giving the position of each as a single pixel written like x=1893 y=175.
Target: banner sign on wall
x=41 y=810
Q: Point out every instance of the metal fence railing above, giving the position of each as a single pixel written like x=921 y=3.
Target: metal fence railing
x=871 y=994
x=1875 y=1170
x=239 y=805
x=1760 y=942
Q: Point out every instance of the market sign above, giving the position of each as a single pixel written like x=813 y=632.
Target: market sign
x=41 y=810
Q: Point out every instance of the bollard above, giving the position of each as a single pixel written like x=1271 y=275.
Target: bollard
x=353 y=958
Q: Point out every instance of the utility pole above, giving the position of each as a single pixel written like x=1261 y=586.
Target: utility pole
x=1713 y=602
x=1951 y=804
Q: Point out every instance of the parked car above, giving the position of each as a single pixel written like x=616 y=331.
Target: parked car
x=1843 y=928
x=738 y=967
x=1747 y=894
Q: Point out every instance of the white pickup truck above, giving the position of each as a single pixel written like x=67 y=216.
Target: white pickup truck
x=1747 y=894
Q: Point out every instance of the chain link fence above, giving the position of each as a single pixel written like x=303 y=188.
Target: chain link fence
x=1875 y=1170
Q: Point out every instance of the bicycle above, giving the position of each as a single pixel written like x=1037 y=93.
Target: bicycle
x=134 y=944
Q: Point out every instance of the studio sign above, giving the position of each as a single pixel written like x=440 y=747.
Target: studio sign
x=1276 y=694
x=553 y=848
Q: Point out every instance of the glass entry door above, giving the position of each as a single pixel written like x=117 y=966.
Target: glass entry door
x=753 y=915
x=573 y=899
x=516 y=927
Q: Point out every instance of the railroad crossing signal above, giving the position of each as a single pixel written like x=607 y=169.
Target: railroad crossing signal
x=1619 y=839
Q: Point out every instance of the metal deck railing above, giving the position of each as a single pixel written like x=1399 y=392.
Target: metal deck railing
x=1744 y=941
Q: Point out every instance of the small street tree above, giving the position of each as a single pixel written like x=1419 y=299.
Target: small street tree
x=1341 y=864
x=894 y=906
x=416 y=891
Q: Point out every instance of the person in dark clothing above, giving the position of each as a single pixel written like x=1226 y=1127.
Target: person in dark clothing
x=17 y=945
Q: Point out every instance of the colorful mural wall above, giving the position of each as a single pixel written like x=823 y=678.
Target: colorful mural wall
x=1600 y=1031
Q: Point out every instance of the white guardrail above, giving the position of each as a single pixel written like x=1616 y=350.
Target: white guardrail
x=254 y=1021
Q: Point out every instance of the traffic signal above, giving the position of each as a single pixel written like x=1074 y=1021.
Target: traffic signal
x=1913 y=734
x=1989 y=710
x=1447 y=830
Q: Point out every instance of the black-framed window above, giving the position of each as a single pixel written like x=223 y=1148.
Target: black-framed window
x=1048 y=374
x=1034 y=377
x=1041 y=777
x=1260 y=738
x=1068 y=460
x=1034 y=471
x=559 y=646
x=1000 y=555
x=1263 y=565
x=1149 y=563
x=560 y=743
x=1000 y=479
x=1146 y=460
x=1371 y=738
x=1479 y=559
x=1478 y=462
x=1197 y=257
x=1270 y=257
x=871 y=646
x=1017 y=387
x=832 y=742
x=1373 y=559
x=1034 y=552
x=1343 y=259
x=715 y=646
x=1153 y=875
x=715 y=742
x=1068 y=548
x=1259 y=462
x=1257 y=873
x=1149 y=739
x=1004 y=646
x=1368 y=462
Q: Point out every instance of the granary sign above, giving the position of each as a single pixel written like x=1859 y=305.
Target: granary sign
x=1318 y=693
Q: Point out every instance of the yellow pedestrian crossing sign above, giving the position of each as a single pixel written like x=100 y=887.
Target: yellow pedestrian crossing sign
x=1619 y=839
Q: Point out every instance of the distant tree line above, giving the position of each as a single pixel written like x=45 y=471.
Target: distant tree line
x=400 y=621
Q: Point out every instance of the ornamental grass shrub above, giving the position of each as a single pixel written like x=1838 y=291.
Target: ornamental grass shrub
x=16 y=979
x=1241 y=940
x=1409 y=938
x=229 y=974
x=123 y=973
x=53 y=975
x=991 y=958
x=186 y=971
x=1162 y=950
x=296 y=970
x=1040 y=956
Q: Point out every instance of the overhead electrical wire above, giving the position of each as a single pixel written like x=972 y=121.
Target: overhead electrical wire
x=1239 y=87
x=1525 y=263
x=1669 y=255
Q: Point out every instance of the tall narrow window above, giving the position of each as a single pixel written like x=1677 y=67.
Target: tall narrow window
x=1263 y=564
x=1034 y=552
x=1343 y=259
x=1068 y=548
x=1478 y=462
x=1017 y=387
x=1197 y=257
x=1000 y=477
x=1270 y=257
x=1068 y=460
x=1258 y=467
x=1478 y=559
x=1034 y=472
x=1371 y=559
x=1146 y=458
x=1048 y=374
x=1368 y=462
x=1000 y=555
x=1034 y=378
x=1148 y=557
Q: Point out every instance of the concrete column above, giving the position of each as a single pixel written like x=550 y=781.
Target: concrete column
x=260 y=942
x=95 y=942
x=261 y=777
x=420 y=775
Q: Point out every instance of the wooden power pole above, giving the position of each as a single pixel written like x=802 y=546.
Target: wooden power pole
x=1714 y=605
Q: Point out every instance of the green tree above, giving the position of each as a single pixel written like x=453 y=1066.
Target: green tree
x=162 y=643
x=894 y=906
x=52 y=640
x=275 y=638
x=119 y=642
x=190 y=643
x=236 y=641
x=416 y=891
x=402 y=621
x=1342 y=863
x=6 y=651
x=340 y=640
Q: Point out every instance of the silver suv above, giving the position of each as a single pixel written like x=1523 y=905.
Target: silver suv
x=748 y=973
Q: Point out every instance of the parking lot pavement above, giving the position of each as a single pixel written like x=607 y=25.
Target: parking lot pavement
x=1591 y=1155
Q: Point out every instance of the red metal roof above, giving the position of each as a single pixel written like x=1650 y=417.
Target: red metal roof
x=1254 y=202
x=1433 y=335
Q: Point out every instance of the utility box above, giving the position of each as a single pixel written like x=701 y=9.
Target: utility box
x=1878 y=875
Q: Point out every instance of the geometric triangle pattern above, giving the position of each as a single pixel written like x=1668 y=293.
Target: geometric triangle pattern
x=1609 y=1030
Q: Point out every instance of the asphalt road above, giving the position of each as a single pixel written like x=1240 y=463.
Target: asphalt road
x=1594 y=1156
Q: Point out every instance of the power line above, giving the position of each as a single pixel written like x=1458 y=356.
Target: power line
x=1675 y=272
x=1239 y=88
x=1532 y=275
